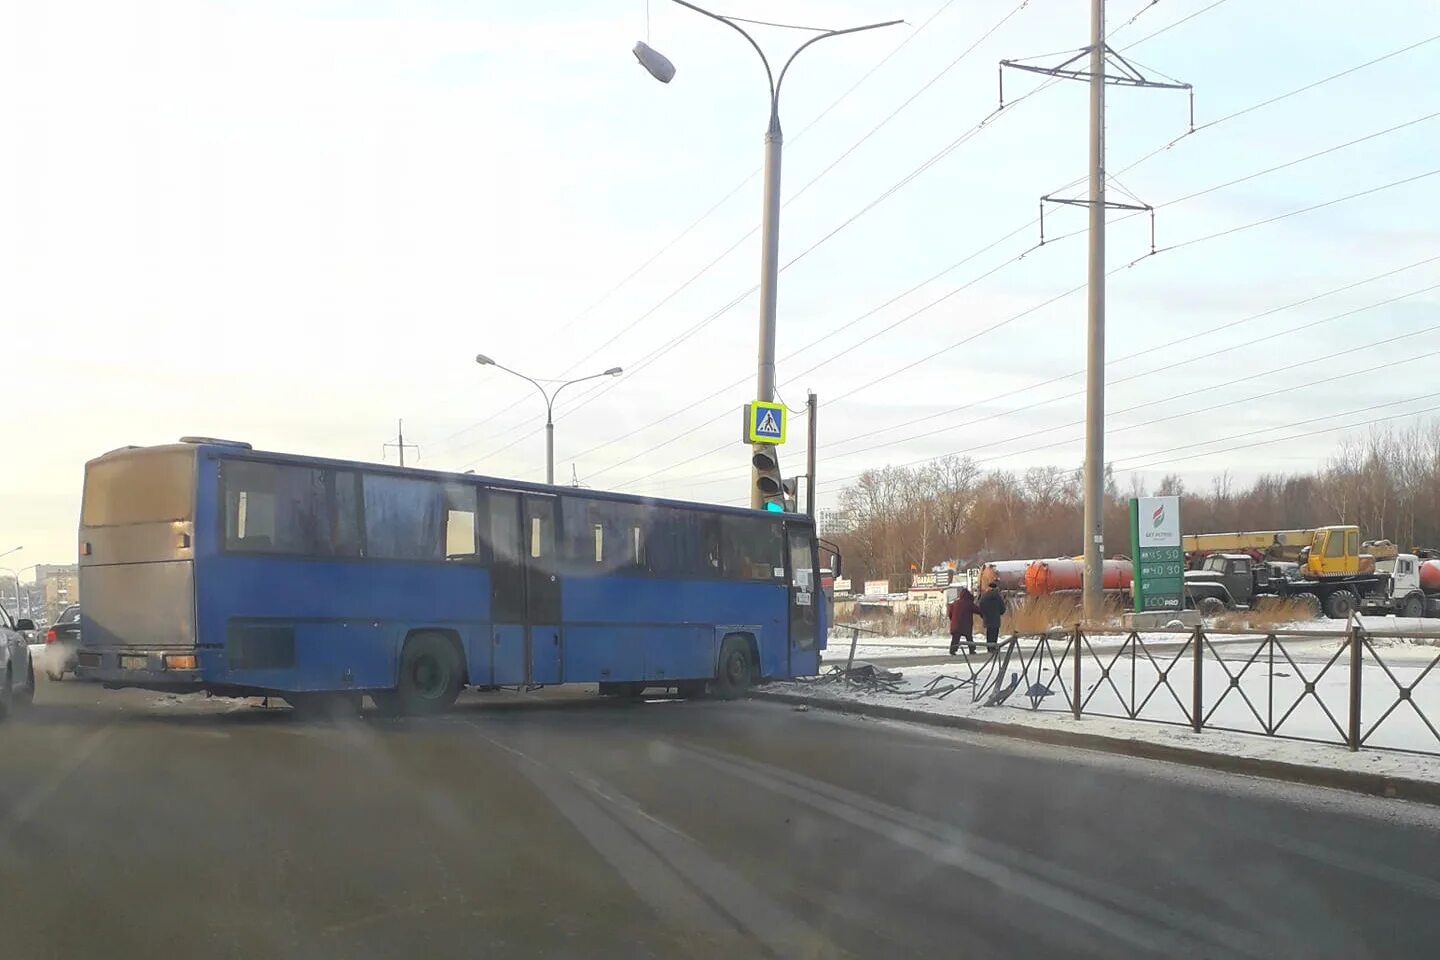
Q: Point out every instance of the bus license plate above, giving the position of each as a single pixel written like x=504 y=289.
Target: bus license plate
x=134 y=663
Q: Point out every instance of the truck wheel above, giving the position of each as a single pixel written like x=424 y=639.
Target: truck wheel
x=1414 y=607
x=1307 y=606
x=1211 y=606
x=1340 y=604
x=736 y=670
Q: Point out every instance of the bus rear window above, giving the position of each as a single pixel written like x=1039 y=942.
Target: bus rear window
x=145 y=487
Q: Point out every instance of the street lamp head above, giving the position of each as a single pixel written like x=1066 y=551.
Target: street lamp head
x=483 y=360
x=655 y=62
x=614 y=372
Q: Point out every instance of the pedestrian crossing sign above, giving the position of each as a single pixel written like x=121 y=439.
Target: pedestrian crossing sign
x=764 y=422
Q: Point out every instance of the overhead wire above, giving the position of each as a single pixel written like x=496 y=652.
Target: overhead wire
x=1161 y=369
x=689 y=228
x=1207 y=332
x=1156 y=152
x=599 y=389
x=1210 y=124
x=1330 y=427
x=815 y=120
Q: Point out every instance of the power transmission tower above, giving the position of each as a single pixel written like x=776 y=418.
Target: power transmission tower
x=399 y=443
x=1106 y=66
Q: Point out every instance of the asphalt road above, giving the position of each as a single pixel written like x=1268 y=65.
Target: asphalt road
x=558 y=825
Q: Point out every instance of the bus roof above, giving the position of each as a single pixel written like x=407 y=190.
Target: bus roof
x=224 y=448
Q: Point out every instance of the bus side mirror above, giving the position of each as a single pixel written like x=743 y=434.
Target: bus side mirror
x=836 y=563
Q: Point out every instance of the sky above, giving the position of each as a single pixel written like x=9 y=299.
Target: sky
x=296 y=222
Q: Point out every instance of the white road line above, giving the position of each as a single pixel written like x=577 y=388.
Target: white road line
x=1140 y=921
x=32 y=802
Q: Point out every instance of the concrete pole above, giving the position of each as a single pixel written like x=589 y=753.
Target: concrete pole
x=1095 y=351
x=813 y=414
x=769 y=279
x=549 y=445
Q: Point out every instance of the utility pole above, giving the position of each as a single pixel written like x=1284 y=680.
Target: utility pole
x=1094 y=576
x=399 y=443
x=812 y=408
x=1106 y=66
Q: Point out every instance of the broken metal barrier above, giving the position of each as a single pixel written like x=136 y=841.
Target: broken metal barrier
x=1359 y=691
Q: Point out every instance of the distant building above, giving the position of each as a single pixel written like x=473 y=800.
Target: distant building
x=58 y=586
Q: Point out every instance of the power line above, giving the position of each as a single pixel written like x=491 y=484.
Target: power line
x=1160 y=369
x=1330 y=427
x=1208 y=332
x=940 y=10
x=999 y=324
x=819 y=340
x=1228 y=383
x=1245 y=110
x=1223 y=233
x=586 y=397
x=1152 y=36
x=1285 y=216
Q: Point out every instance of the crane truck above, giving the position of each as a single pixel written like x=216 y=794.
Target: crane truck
x=1326 y=566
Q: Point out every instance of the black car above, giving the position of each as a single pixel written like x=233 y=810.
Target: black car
x=62 y=643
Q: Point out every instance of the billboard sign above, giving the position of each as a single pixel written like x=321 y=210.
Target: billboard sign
x=1159 y=559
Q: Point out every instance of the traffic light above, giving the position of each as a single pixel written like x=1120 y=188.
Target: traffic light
x=790 y=494
x=768 y=483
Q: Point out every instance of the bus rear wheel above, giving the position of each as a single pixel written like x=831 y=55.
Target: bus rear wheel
x=430 y=677
x=736 y=669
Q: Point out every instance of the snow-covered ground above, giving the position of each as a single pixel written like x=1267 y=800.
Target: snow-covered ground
x=1412 y=647
x=1274 y=684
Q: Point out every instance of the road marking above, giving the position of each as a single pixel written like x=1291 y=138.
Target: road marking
x=39 y=795
x=666 y=868
x=1142 y=922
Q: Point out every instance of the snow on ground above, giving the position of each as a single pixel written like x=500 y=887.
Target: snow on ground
x=1421 y=636
x=1274 y=685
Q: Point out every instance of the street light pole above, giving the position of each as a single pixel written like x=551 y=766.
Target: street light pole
x=661 y=69
x=549 y=397
x=21 y=600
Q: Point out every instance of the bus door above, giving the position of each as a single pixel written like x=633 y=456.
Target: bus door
x=525 y=589
x=804 y=581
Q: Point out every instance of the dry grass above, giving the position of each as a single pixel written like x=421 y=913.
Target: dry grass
x=1269 y=612
x=1032 y=615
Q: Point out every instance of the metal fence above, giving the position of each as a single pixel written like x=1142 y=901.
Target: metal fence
x=1360 y=688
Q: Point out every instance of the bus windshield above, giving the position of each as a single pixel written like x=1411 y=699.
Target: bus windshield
x=149 y=486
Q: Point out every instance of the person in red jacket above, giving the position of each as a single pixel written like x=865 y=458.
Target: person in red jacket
x=962 y=620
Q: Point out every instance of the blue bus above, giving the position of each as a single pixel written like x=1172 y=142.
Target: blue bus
x=208 y=565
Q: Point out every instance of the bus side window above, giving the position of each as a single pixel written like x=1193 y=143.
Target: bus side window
x=683 y=543
x=273 y=508
x=751 y=548
x=461 y=527
x=405 y=518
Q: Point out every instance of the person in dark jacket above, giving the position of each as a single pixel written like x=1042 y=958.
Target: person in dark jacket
x=992 y=608
x=962 y=620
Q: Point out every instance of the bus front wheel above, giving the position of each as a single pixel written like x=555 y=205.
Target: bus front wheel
x=736 y=670
x=430 y=677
